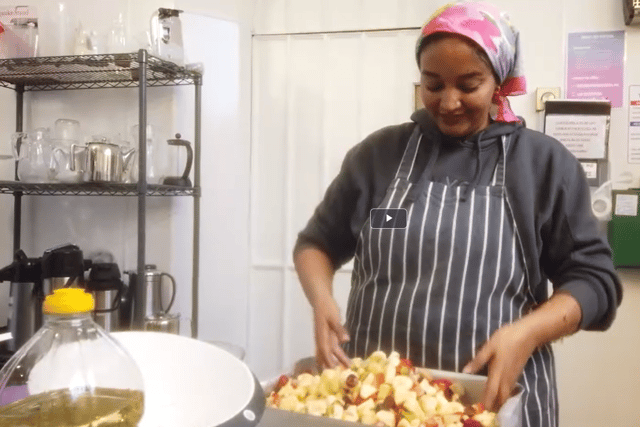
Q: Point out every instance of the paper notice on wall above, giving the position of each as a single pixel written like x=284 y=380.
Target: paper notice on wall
x=595 y=66
x=627 y=205
x=634 y=125
x=584 y=135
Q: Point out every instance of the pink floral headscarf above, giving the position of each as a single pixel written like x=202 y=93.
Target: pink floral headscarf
x=493 y=32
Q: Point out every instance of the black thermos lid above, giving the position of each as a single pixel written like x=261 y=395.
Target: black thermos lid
x=104 y=276
x=63 y=261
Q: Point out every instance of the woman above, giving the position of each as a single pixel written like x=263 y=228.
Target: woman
x=494 y=212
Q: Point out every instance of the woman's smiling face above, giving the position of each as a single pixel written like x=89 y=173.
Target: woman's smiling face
x=456 y=86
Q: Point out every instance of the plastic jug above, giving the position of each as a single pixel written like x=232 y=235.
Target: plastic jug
x=71 y=372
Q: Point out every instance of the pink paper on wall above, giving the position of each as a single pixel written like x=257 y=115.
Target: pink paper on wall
x=595 y=66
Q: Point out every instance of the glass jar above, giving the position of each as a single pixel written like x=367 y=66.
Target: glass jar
x=71 y=373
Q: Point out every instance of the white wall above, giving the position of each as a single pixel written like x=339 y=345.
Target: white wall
x=317 y=92
x=225 y=172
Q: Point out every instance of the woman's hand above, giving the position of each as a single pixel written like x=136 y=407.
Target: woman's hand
x=315 y=272
x=506 y=353
x=329 y=334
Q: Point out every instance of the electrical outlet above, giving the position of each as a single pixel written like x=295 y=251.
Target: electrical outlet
x=545 y=93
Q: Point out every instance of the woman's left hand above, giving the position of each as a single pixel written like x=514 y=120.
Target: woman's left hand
x=506 y=353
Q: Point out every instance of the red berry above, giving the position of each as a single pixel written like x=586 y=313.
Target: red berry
x=282 y=381
x=471 y=423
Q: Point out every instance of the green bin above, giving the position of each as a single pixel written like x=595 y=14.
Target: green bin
x=624 y=228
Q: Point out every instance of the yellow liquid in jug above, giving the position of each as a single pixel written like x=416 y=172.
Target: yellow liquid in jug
x=105 y=408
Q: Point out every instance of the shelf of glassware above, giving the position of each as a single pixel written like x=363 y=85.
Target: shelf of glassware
x=93 y=189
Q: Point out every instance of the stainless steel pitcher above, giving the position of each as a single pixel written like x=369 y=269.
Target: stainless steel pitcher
x=153 y=291
x=104 y=161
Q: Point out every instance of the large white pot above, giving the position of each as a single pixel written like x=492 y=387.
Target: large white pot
x=190 y=383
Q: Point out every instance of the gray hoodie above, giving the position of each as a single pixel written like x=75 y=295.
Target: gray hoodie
x=545 y=185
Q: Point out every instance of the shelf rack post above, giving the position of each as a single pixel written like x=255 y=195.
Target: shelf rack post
x=17 y=200
x=196 y=209
x=138 y=307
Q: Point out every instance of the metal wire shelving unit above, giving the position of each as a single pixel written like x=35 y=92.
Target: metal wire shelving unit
x=123 y=70
x=91 y=72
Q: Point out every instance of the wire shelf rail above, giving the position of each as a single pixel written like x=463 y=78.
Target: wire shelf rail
x=90 y=72
x=93 y=189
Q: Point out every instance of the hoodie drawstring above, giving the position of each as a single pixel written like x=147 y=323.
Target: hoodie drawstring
x=476 y=177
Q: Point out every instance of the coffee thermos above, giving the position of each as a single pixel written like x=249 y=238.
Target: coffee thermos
x=24 y=274
x=33 y=278
x=108 y=289
x=156 y=316
x=63 y=266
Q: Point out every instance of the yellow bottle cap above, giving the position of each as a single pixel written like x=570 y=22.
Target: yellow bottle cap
x=68 y=301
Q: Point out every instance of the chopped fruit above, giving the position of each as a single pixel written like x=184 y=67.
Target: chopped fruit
x=383 y=392
x=351 y=413
x=367 y=391
x=387 y=417
x=402 y=382
x=380 y=391
x=330 y=379
x=457 y=388
x=445 y=386
x=389 y=403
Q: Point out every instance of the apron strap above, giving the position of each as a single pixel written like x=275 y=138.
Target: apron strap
x=499 y=172
x=410 y=152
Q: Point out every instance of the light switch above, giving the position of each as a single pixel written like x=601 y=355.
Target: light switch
x=543 y=94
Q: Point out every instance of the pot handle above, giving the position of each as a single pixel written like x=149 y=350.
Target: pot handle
x=72 y=162
x=173 y=292
x=187 y=145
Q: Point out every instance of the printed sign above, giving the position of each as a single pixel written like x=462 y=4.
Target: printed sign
x=595 y=66
x=634 y=125
x=627 y=205
x=584 y=135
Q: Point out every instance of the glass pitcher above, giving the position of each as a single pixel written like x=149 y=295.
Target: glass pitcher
x=61 y=158
x=33 y=154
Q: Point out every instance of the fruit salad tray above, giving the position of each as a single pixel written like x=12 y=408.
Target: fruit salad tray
x=382 y=391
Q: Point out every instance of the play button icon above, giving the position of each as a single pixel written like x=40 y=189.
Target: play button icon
x=388 y=218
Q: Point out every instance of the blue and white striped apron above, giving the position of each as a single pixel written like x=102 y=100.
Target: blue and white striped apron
x=436 y=290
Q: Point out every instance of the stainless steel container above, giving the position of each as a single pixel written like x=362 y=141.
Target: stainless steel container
x=104 y=301
x=104 y=161
x=154 y=292
x=25 y=313
x=169 y=323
